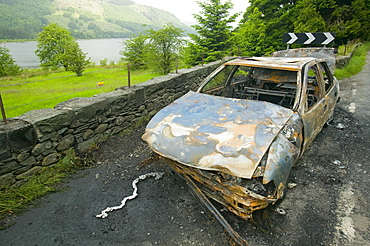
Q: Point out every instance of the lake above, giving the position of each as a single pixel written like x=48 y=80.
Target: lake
x=98 y=49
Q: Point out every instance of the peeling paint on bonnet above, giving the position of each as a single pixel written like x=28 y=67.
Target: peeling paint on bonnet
x=216 y=133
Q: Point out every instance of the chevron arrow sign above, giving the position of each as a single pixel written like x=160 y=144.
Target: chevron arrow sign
x=309 y=38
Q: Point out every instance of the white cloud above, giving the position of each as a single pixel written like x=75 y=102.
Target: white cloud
x=184 y=10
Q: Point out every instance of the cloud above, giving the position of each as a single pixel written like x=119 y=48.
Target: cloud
x=184 y=10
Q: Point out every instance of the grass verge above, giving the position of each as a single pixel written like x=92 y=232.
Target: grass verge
x=356 y=62
x=16 y=199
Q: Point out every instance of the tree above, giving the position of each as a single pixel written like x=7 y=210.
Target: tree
x=134 y=51
x=57 y=48
x=308 y=17
x=8 y=67
x=277 y=18
x=350 y=20
x=75 y=59
x=163 y=48
x=250 y=38
x=157 y=49
x=214 y=32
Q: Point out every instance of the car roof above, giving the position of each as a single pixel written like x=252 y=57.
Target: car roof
x=282 y=63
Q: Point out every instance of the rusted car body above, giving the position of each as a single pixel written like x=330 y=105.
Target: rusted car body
x=239 y=134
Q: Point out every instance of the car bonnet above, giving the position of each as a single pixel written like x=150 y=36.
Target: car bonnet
x=216 y=133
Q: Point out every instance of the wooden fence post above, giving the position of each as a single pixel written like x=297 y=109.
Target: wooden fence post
x=3 y=110
x=128 y=75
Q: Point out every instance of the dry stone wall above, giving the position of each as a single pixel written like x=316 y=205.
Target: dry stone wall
x=342 y=61
x=39 y=138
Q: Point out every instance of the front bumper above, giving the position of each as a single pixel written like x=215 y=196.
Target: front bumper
x=236 y=198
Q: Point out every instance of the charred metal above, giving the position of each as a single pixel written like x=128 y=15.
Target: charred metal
x=241 y=132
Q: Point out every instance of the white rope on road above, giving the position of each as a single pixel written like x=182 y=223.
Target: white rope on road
x=156 y=175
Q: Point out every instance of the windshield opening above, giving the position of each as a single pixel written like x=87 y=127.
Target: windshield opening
x=254 y=83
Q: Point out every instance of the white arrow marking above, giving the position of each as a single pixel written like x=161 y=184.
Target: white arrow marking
x=329 y=38
x=293 y=38
x=310 y=38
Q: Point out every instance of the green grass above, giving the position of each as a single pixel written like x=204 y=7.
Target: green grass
x=15 y=200
x=38 y=89
x=356 y=62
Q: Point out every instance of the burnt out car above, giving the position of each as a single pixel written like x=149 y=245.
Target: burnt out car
x=239 y=134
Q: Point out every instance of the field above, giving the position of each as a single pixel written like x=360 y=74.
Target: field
x=37 y=89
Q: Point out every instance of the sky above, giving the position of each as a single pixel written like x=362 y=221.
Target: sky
x=184 y=9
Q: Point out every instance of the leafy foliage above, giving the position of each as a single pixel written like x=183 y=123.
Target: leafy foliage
x=163 y=48
x=157 y=49
x=350 y=20
x=57 y=48
x=8 y=67
x=52 y=44
x=75 y=59
x=251 y=38
x=213 y=32
x=276 y=16
x=308 y=17
x=135 y=50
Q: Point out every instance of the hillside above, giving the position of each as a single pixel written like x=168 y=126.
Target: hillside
x=23 y=19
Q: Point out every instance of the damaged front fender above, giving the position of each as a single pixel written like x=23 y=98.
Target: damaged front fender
x=281 y=157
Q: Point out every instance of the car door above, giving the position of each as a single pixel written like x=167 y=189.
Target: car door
x=331 y=89
x=313 y=105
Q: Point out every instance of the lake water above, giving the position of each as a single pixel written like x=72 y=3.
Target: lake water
x=98 y=49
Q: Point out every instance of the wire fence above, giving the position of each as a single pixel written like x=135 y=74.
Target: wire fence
x=64 y=95
x=59 y=77
x=7 y=89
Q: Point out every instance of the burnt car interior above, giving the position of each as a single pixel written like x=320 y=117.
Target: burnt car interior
x=261 y=84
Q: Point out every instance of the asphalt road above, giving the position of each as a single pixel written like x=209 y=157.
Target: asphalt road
x=329 y=206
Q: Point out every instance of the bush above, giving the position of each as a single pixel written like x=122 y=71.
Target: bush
x=8 y=67
x=103 y=62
